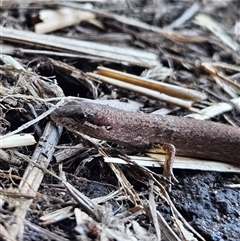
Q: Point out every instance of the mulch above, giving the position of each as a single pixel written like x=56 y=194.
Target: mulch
x=55 y=185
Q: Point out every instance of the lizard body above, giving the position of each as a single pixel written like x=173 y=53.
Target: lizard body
x=192 y=138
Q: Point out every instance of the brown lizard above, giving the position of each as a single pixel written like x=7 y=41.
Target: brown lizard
x=190 y=137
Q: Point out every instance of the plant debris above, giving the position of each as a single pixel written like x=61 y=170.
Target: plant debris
x=160 y=57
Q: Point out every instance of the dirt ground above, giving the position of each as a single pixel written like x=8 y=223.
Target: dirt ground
x=208 y=205
x=79 y=196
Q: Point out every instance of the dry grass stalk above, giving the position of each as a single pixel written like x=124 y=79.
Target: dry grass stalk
x=213 y=26
x=63 y=17
x=8 y=157
x=209 y=68
x=186 y=163
x=211 y=111
x=143 y=91
x=32 y=178
x=45 y=233
x=112 y=53
x=30 y=123
x=153 y=210
x=77 y=74
x=17 y=140
x=172 y=90
x=56 y=216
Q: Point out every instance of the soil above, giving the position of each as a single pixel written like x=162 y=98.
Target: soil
x=203 y=199
x=210 y=207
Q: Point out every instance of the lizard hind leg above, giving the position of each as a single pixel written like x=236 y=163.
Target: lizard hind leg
x=169 y=150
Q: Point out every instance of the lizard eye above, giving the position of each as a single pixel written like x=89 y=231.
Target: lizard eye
x=79 y=117
x=88 y=117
